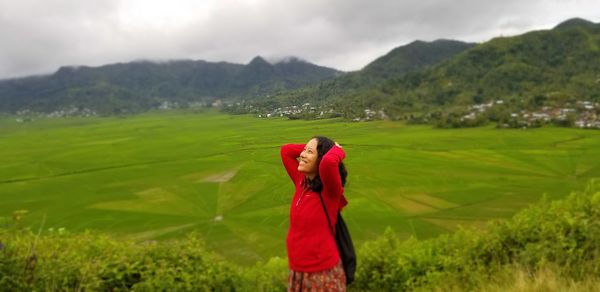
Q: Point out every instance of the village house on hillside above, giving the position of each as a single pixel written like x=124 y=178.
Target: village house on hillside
x=583 y=115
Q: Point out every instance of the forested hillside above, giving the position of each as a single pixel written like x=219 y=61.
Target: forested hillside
x=140 y=86
x=525 y=80
x=412 y=57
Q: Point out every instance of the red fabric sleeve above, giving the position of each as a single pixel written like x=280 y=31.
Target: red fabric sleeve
x=329 y=172
x=289 y=155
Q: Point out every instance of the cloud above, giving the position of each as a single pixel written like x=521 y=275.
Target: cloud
x=39 y=36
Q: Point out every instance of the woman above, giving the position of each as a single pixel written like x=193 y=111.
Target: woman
x=315 y=168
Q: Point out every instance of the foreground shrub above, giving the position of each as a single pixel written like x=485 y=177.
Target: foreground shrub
x=91 y=261
x=562 y=233
x=546 y=278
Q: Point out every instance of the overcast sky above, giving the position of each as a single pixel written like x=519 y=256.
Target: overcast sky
x=38 y=36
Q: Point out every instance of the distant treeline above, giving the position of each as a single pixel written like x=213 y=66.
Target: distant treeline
x=552 y=242
x=144 y=85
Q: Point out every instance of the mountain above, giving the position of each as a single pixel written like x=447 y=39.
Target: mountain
x=556 y=68
x=412 y=57
x=260 y=77
x=555 y=65
x=575 y=22
x=141 y=85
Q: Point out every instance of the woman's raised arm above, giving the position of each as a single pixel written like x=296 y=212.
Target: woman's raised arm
x=329 y=171
x=289 y=155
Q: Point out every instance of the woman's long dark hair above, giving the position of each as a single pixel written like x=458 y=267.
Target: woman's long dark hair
x=323 y=146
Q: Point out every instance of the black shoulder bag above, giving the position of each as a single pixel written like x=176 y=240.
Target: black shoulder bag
x=344 y=244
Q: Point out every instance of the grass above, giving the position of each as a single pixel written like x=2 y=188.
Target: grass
x=519 y=279
x=158 y=176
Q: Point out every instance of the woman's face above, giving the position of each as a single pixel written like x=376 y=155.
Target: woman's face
x=308 y=159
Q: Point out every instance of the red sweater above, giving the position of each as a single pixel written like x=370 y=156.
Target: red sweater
x=310 y=243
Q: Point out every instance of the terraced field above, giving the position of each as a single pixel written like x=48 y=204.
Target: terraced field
x=161 y=175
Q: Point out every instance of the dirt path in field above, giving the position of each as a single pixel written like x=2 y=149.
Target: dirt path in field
x=221 y=177
x=145 y=235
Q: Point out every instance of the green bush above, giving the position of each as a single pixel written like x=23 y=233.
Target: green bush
x=563 y=233
x=91 y=261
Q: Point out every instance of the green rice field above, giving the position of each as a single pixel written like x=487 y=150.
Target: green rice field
x=161 y=175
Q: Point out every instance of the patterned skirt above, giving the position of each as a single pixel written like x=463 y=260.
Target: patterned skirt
x=333 y=279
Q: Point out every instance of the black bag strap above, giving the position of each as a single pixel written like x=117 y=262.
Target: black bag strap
x=326 y=215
